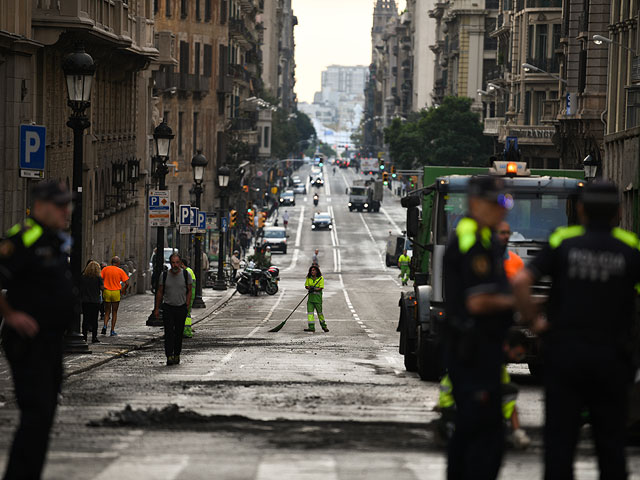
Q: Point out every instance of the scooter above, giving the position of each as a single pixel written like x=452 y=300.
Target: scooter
x=316 y=199
x=256 y=280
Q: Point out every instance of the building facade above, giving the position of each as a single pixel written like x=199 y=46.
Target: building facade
x=423 y=34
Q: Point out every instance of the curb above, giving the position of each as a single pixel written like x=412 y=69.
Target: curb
x=219 y=305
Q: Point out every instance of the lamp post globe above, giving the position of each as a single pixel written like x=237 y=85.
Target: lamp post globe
x=162 y=136
x=223 y=182
x=78 y=68
x=590 y=165
x=199 y=164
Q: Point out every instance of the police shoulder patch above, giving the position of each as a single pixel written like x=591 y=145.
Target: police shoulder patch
x=6 y=248
x=480 y=265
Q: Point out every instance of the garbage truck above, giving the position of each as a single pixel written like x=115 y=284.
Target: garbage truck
x=543 y=201
x=365 y=195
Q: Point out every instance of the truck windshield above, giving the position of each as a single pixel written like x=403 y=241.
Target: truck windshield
x=533 y=217
x=358 y=191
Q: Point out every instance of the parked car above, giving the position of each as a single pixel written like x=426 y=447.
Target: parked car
x=166 y=263
x=288 y=198
x=321 y=220
x=274 y=237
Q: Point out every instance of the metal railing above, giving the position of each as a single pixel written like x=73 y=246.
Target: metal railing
x=492 y=125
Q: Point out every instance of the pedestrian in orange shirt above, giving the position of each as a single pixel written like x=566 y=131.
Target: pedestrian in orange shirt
x=512 y=261
x=116 y=282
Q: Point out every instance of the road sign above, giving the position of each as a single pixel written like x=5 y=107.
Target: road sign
x=211 y=220
x=194 y=216
x=159 y=208
x=202 y=222
x=225 y=224
x=32 y=149
x=185 y=216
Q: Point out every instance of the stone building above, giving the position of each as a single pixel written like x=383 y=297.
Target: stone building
x=287 y=80
x=119 y=35
x=422 y=32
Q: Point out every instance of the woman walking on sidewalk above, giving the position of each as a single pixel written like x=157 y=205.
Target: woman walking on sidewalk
x=91 y=287
x=315 y=285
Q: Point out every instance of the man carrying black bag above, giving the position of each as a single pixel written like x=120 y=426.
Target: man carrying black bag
x=174 y=294
x=479 y=307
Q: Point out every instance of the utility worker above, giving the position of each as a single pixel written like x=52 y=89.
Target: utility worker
x=404 y=262
x=479 y=309
x=40 y=300
x=588 y=337
x=188 y=331
x=514 y=351
x=512 y=261
x=315 y=284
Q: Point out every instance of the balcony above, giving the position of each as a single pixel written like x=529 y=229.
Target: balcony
x=528 y=134
x=544 y=3
x=550 y=110
x=503 y=24
x=164 y=81
x=550 y=65
x=225 y=84
x=183 y=82
x=239 y=73
x=239 y=124
x=635 y=69
x=239 y=31
x=492 y=125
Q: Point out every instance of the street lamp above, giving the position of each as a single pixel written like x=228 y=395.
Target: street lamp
x=199 y=163
x=590 y=165
x=162 y=136
x=527 y=67
x=78 y=68
x=599 y=40
x=223 y=182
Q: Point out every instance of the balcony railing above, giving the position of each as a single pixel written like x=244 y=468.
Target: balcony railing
x=550 y=109
x=225 y=84
x=239 y=72
x=550 y=65
x=492 y=125
x=238 y=30
x=544 y=3
x=184 y=82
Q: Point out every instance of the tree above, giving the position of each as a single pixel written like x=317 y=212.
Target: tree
x=450 y=134
x=290 y=133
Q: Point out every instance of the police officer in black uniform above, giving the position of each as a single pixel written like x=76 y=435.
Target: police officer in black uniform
x=39 y=303
x=588 y=337
x=479 y=308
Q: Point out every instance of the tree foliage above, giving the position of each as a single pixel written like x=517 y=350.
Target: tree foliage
x=290 y=133
x=450 y=134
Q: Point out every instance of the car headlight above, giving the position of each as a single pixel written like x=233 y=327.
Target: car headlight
x=366 y=205
x=282 y=200
x=330 y=227
x=313 y=226
x=349 y=204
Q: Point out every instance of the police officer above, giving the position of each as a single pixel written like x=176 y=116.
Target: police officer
x=479 y=307
x=588 y=341
x=39 y=303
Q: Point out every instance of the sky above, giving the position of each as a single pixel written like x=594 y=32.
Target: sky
x=330 y=32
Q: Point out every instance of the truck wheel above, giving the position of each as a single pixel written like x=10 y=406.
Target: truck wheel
x=350 y=209
x=284 y=252
x=387 y=261
x=428 y=363
x=407 y=347
x=536 y=369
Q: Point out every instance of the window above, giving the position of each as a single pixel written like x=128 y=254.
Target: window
x=155 y=6
x=221 y=103
x=207 y=10
x=223 y=12
x=527 y=108
x=196 y=64
x=183 y=9
x=633 y=107
x=167 y=8
x=184 y=57
x=541 y=42
x=180 y=115
x=198 y=10
x=195 y=132
x=165 y=117
x=265 y=143
x=540 y=97
x=207 y=61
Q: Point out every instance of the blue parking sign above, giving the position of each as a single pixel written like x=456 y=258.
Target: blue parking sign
x=32 y=147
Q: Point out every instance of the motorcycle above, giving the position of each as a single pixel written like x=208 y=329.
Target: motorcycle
x=255 y=280
x=316 y=199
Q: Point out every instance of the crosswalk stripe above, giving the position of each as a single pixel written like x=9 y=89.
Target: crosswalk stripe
x=298 y=467
x=158 y=467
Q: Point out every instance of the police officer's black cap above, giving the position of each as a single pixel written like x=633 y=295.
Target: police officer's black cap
x=51 y=191
x=486 y=187
x=600 y=193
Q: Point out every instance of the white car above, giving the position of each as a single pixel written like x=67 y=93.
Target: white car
x=299 y=188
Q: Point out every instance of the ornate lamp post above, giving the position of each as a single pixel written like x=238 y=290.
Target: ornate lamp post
x=162 y=136
x=223 y=182
x=78 y=68
x=199 y=163
x=590 y=165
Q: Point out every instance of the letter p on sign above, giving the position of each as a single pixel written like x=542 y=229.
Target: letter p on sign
x=32 y=147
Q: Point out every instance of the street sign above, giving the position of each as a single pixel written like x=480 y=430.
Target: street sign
x=32 y=150
x=194 y=216
x=211 y=220
x=185 y=216
x=225 y=224
x=202 y=222
x=159 y=208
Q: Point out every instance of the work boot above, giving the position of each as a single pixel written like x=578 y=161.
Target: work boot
x=325 y=329
x=95 y=340
x=176 y=359
x=310 y=329
x=170 y=360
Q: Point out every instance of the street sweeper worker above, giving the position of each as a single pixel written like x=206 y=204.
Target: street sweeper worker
x=315 y=284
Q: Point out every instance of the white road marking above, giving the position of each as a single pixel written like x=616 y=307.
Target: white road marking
x=294 y=261
x=344 y=179
x=158 y=467
x=364 y=222
x=229 y=355
x=297 y=467
x=395 y=225
x=300 y=222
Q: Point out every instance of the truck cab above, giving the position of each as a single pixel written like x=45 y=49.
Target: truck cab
x=542 y=202
x=365 y=195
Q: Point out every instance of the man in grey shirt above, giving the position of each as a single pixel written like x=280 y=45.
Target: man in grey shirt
x=173 y=296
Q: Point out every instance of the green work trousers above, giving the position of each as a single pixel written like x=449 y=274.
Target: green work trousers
x=317 y=306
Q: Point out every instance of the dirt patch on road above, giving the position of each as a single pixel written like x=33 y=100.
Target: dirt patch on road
x=282 y=433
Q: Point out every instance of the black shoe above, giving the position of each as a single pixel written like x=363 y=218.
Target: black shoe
x=84 y=335
x=171 y=360
x=95 y=340
x=104 y=331
x=312 y=330
x=176 y=359
x=325 y=328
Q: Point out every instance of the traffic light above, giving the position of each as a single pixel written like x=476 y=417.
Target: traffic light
x=245 y=188
x=233 y=218
x=414 y=181
x=393 y=171
x=381 y=164
x=385 y=178
x=262 y=219
x=250 y=217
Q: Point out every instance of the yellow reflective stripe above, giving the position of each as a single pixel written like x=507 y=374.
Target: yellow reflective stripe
x=466 y=232
x=445 y=400
x=32 y=235
x=564 y=233
x=14 y=230
x=504 y=376
x=625 y=236
x=508 y=408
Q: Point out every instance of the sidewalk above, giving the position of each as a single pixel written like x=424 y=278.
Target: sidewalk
x=133 y=334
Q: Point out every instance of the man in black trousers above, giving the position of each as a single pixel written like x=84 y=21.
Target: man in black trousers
x=174 y=294
x=40 y=301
